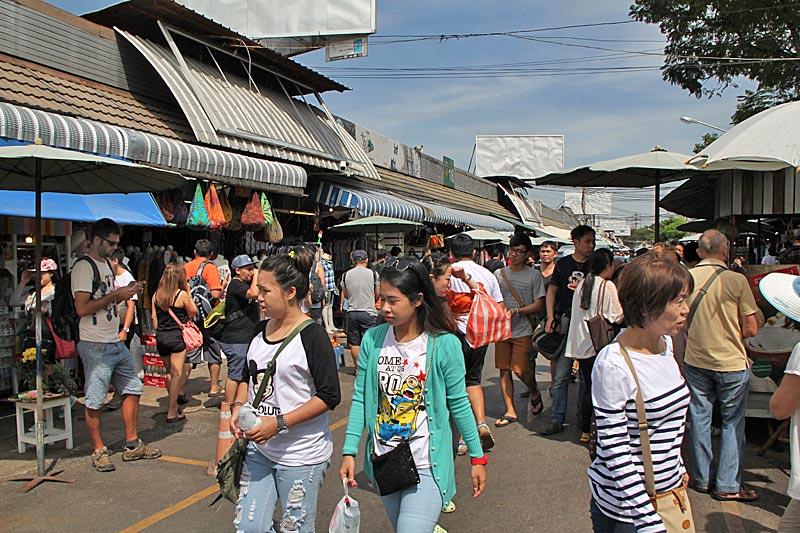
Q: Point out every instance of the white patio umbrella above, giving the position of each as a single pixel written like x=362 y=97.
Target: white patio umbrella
x=767 y=141
x=46 y=169
x=485 y=235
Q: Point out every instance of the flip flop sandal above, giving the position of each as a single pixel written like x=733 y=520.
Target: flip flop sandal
x=537 y=407
x=744 y=495
x=504 y=421
x=178 y=418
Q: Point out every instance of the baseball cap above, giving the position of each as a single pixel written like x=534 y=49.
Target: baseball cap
x=359 y=255
x=241 y=261
x=47 y=265
x=783 y=292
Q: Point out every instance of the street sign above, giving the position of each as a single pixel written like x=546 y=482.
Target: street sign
x=347 y=49
x=449 y=169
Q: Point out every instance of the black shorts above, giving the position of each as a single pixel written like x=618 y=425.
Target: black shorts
x=169 y=342
x=358 y=322
x=473 y=361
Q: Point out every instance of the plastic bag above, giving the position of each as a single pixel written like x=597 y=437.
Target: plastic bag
x=346 y=516
x=253 y=216
x=198 y=215
x=274 y=230
x=216 y=217
x=266 y=209
x=488 y=321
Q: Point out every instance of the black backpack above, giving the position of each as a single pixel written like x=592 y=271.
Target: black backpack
x=317 y=288
x=64 y=317
x=201 y=294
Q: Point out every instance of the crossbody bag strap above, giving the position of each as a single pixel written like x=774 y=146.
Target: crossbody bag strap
x=600 y=298
x=271 y=365
x=175 y=318
x=641 y=416
x=701 y=293
x=516 y=296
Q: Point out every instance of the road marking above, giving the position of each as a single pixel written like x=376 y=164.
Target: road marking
x=733 y=518
x=171 y=510
x=194 y=498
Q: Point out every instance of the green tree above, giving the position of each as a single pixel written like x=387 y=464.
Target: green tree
x=668 y=232
x=705 y=140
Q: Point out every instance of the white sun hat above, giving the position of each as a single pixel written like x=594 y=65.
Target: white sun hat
x=783 y=292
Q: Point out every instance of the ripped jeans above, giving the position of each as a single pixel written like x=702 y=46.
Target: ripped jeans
x=264 y=481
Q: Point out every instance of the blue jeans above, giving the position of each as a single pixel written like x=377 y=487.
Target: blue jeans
x=104 y=364
x=416 y=509
x=604 y=524
x=730 y=390
x=561 y=388
x=264 y=481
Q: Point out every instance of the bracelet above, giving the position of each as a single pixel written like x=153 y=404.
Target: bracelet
x=237 y=404
x=476 y=461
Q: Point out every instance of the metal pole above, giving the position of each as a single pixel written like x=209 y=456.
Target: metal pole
x=657 y=229
x=38 y=322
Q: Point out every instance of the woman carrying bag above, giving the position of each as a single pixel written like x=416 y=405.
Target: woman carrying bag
x=410 y=382
x=290 y=442
x=173 y=307
x=640 y=403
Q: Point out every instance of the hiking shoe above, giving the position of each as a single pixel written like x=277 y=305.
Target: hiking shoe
x=462 y=448
x=142 y=451
x=551 y=429
x=101 y=461
x=487 y=440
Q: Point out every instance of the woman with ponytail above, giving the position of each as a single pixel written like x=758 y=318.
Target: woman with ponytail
x=290 y=442
x=593 y=295
x=410 y=382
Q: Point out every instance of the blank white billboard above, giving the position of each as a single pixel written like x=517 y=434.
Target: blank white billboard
x=588 y=202
x=523 y=156
x=260 y=19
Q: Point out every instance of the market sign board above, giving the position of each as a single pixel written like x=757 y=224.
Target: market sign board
x=348 y=49
x=526 y=157
x=449 y=167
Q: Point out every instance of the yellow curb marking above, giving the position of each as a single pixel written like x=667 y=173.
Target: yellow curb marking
x=194 y=498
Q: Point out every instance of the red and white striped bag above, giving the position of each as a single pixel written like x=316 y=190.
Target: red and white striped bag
x=488 y=321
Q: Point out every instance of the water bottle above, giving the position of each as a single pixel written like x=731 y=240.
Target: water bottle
x=248 y=417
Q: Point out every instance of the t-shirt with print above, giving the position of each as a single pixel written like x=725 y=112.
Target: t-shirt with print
x=482 y=276
x=529 y=285
x=239 y=330
x=82 y=278
x=793 y=367
x=123 y=280
x=566 y=276
x=304 y=369
x=402 y=372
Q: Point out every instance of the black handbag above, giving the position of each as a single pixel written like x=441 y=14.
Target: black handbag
x=395 y=470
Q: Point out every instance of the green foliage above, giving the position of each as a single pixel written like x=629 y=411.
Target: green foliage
x=639 y=235
x=706 y=39
x=707 y=139
x=668 y=231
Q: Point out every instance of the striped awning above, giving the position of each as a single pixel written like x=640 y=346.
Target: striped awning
x=24 y=124
x=368 y=203
x=440 y=214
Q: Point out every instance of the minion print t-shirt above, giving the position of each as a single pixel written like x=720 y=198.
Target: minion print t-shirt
x=401 y=414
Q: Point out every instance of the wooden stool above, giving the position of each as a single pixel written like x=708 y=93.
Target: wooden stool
x=51 y=433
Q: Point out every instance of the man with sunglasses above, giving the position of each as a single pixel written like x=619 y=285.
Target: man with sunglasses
x=106 y=360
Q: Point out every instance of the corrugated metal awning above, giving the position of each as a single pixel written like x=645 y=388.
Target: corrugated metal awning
x=226 y=109
x=24 y=124
x=368 y=203
x=447 y=215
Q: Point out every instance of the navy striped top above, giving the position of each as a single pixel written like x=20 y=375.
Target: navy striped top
x=616 y=476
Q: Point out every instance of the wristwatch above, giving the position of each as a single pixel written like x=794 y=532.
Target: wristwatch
x=282 y=427
x=126 y=330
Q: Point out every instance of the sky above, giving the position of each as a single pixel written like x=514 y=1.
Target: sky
x=606 y=101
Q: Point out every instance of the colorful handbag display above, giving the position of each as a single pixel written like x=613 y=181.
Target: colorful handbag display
x=266 y=209
x=253 y=215
x=216 y=217
x=198 y=215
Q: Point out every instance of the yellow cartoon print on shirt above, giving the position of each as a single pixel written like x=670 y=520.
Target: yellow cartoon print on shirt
x=398 y=410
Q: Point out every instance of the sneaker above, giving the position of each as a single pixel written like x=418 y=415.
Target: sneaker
x=462 y=448
x=142 y=451
x=551 y=429
x=487 y=440
x=101 y=461
x=451 y=508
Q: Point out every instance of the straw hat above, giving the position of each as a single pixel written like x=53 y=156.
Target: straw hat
x=783 y=292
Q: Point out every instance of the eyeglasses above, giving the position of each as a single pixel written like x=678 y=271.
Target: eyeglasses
x=402 y=264
x=517 y=251
x=111 y=243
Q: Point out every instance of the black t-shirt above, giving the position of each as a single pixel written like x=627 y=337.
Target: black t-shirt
x=240 y=330
x=494 y=264
x=566 y=276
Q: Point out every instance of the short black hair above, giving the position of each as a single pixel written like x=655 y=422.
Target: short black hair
x=380 y=254
x=118 y=255
x=579 y=232
x=105 y=227
x=550 y=244
x=520 y=239
x=396 y=251
x=204 y=248
x=462 y=245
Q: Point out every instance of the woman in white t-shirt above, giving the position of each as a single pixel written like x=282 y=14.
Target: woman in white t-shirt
x=291 y=447
x=594 y=294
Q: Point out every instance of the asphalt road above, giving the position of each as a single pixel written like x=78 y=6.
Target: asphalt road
x=535 y=483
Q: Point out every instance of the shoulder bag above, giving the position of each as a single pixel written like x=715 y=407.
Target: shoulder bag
x=192 y=337
x=531 y=320
x=672 y=506
x=601 y=331
x=701 y=293
x=396 y=470
x=228 y=471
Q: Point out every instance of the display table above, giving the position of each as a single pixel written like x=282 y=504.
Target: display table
x=51 y=433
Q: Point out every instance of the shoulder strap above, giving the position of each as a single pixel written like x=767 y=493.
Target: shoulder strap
x=201 y=267
x=600 y=297
x=516 y=296
x=641 y=416
x=271 y=365
x=701 y=293
x=174 y=300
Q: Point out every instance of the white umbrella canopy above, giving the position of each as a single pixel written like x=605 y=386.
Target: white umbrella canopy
x=40 y=168
x=486 y=235
x=767 y=141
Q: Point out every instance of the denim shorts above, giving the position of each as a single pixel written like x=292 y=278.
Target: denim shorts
x=107 y=363
x=236 y=355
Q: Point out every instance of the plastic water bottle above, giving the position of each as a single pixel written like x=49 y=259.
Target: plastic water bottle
x=248 y=417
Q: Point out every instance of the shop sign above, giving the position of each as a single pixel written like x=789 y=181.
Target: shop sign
x=347 y=49
x=449 y=167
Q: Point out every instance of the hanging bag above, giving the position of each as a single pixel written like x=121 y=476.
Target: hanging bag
x=198 y=215
x=64 y=349
x=253 y=216
x=237 y=205
x=274 y=230
x=227 y=210
x=673 y=506
x=164 y=201
x=228 y=471
x=179 y=209
x=488 y=321
x=266 y=209
x=346 y=517
x=192 y=337
x=216 y=216
x=601 y=331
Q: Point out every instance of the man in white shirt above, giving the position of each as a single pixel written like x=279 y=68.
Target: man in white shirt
x=462 y=248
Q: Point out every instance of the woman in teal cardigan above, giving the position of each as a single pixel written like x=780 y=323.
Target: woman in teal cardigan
x=410 y=382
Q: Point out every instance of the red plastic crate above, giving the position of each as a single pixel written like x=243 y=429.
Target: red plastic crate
x=153 y=360
x=156 y=381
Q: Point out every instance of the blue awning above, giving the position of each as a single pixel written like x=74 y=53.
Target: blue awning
x=368 y=203
x=137 y=209
x=440 y=214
